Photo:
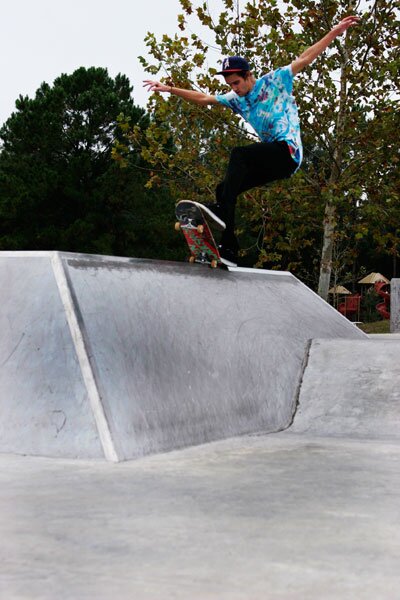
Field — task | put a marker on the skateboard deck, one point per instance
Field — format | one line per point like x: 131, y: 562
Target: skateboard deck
x: 195, y: 227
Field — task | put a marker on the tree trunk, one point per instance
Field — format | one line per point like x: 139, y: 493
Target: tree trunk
x: 330, y: 206
x: 327, y: 249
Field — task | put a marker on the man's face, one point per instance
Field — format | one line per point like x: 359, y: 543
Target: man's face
x: 238, y: 84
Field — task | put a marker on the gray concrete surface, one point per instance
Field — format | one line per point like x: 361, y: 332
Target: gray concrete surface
x: 158, y: 355
x: 351, y: 388
x: 44, y: 403
x: 312, y: 512
x: 270, y: 517
x: 389, y: 336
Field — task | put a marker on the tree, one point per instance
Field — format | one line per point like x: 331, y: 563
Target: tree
x: 60, y: 187
x: 339, y: 97
x: 379, y: 208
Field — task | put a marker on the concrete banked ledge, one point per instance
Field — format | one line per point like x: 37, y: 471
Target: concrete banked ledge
x: 116, y: 358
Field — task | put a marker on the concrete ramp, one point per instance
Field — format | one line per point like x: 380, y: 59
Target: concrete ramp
x: 44, y: 402
x: 352, y: 389
x: 118, y: 358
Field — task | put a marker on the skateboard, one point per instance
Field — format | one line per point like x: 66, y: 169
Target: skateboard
x: 194, y: 224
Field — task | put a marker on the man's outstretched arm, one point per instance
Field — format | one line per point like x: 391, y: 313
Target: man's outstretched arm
x: 188, y: 95
x: 313, y: 51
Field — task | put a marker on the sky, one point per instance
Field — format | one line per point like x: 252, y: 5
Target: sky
x: 41, y: 39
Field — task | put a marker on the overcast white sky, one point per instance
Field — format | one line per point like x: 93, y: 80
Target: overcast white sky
x: 41, y: 39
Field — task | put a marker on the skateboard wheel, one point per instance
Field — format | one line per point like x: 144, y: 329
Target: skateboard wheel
x: 214, y: 264
x: 200, y: 229
x: 192, y: 259
x: 177, y: 226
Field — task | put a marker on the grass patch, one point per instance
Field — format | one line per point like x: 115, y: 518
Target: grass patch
x: 376, y: 327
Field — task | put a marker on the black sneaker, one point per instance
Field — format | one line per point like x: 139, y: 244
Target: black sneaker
x: 228, y: 256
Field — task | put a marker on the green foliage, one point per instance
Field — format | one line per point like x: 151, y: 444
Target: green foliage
x: 347, y: 190
x: 382, y: 326
x: 369, y: 301
x: 60, y: 187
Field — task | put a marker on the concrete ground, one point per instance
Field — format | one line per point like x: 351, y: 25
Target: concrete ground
x: 127, y: 363
x: 279, y: 516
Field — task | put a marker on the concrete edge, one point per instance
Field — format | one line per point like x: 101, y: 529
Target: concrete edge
x: 88, y: 376
x: 362, y: 334
x: 303, y: 368
x: 104, y: 257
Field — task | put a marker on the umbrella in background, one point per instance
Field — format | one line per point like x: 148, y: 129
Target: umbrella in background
x: 339, y: 289
x: 373, y: 278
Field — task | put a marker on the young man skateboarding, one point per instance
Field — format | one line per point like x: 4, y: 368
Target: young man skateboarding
x: 268, y: 106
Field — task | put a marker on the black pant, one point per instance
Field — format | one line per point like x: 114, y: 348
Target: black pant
x: 249, y: 167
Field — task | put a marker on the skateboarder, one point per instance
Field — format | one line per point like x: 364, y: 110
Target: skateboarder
x: 268, y: 105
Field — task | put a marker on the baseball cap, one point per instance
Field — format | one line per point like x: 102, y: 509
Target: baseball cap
x: 232, y: 64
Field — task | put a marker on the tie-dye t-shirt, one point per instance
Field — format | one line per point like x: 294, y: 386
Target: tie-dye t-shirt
x: 270, y: 109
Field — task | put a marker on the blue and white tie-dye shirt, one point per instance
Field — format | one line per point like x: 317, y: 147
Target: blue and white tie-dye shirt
x: 270, y: 109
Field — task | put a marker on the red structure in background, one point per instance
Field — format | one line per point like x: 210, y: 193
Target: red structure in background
x: 383, y: 308
x: 350, y: 306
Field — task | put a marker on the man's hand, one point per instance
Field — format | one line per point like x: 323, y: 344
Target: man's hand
x: 192, y: 96
x: 345, y: 24
x: 311, y: 53
x: 156, y: 86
